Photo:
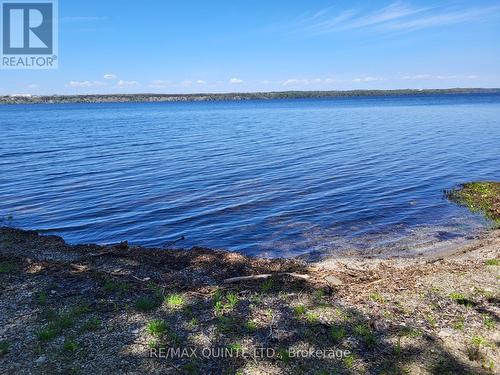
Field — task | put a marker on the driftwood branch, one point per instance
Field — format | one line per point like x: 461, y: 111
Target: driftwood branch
x: 265, y: 276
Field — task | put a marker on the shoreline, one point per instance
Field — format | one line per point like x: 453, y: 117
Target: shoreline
x: 236, y: 96
x: 105, y: 308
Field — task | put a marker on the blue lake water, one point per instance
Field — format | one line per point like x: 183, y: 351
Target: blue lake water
x: 271, y: 178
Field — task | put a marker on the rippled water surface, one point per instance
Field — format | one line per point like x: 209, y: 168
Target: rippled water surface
x: 274, y: 178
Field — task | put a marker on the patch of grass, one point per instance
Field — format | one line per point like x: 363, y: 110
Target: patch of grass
x: 41, y: 297
x: 4, y: 347
x: 232, y: 300
x: 147, y: 303
x: 493, y: 262
x: 488, y: 365
x: 431, y: 320
x: 267, y: 285
x: 227, y: 324
x: 299, y: 310
x: 175, y: 301
x: 70, y: 346
x: 409, y: 332
x: 489, y: 322
x: 483, y: 196
x: 80, y: 309
x: 377, y: 297
x: 459, y: 324
x: 93, y: 324
x: 349, y: 361
x: 474, y: 348
x: 111, y: 286
x: 9, y: 267
x: 462, y: 299
x: 47, y: 333
x: 251, y: 326
x: 284, y: 355
x: 157, y: 327
x: 194, y: 322
x: 318, y: 295
x: 66, y: 320
x: 236, y: 346
x: 190, y: 368
x: 336, y: 334
x: 58, y: 322
x: 223, y: 304
x: 312, y: 317
x: 364, y: 332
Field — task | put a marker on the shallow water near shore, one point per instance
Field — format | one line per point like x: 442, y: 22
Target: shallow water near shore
x: 269, y: 178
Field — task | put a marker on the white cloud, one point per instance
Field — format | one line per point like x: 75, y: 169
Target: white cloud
x: 436, y: 77
x: 110, y: 76
x: 368, y: 79
x: 295, y: 81
x: 235, y: 81
x: 201, y: 82
x: 78, y: 84
x: 417, y: 76
x: 122, y: 83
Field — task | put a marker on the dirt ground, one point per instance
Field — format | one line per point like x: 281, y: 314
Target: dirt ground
x: 91, y: 309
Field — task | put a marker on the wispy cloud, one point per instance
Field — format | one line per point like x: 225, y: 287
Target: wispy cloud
x: 395, y: 16
x: 367, y: 79
x: 110, y: 76
x: 444, y: 19
x: 441, y: 77
x: 122, y: 83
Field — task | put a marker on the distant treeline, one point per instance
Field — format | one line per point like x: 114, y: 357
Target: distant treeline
x: 118, y: 98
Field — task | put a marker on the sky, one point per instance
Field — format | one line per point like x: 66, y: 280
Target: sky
x: 158, y: 46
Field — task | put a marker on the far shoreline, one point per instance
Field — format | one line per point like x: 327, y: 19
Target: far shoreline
x: 235, y: 96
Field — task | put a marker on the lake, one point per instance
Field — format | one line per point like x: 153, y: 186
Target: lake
x: 269, y: 178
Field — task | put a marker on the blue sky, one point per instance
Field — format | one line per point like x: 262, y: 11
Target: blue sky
x: 235, y: 45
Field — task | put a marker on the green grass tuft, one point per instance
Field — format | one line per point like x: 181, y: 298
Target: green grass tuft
x: 299, y: 310
x: 493, y: 262
x: 364, y: 332
x: 47, y: 333
x: 4, y: 347
x: 148, y: 303
x: 70, y: 346
x: 377, y: 297
x: 336, y: 334
x: 175, y: 301
x: 251, y: 326
x: 93, y: 324
x: 462, y: 299
x: 41, y: 298
x: 157, y: 327
x: 9, y: 267
x: 267, y: 285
